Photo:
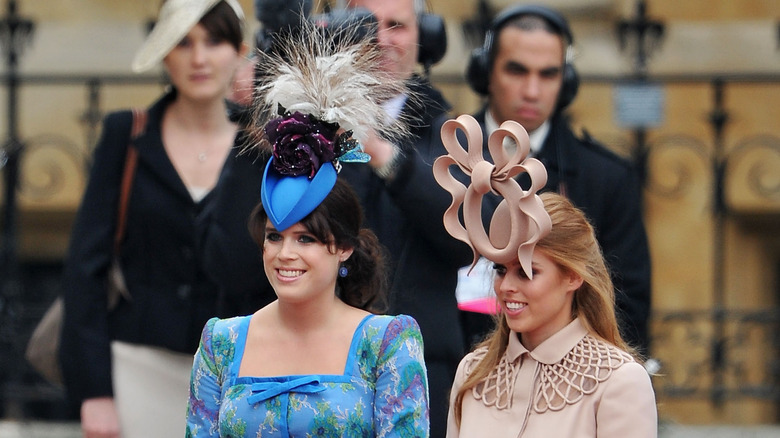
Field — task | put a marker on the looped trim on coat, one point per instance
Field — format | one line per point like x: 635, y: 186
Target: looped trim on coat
x: 579, y: 373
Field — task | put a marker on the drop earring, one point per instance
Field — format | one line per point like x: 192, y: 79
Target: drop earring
x: 343, y: 271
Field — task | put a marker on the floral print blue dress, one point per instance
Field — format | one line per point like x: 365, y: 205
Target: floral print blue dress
x: 382, y: 393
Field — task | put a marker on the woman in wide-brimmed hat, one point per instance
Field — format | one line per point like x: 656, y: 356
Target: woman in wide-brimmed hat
x: 128, y: 367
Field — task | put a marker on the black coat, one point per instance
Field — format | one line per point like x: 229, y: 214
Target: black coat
x: 406, y: 214
x: 606, y: 187
x: 172, y: 293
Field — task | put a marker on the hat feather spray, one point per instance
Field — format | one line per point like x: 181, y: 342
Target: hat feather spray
x: 318, y: 94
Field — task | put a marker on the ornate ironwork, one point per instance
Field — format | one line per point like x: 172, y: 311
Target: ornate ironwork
x: 646, y: 34
x: 715, y: 367
x: 688, y: 371
x: 761, y: 179
x: 677, y: 176
x: 43, y: 170
x: 713, y: 363
x: 643, y: 35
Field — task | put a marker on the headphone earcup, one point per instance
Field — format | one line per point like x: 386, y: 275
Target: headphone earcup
x: 432, y: 37
x: 477, y: 71
x: 569, y: 86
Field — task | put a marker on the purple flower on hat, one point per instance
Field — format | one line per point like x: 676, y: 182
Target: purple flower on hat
x: 301, y: 143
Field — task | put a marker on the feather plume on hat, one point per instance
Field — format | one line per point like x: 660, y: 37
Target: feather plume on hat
x: 318, y: 93
x: 335, y: 77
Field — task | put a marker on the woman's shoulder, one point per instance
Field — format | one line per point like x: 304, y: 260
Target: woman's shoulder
x: 221, y: 330
x: 228, y: 325
x: 122, y: 118
x: 608, y: 354
x: 633, y: 371
x: 389, y: 342
x: 386, y: 333
x: 119, y: 115
x: 394, y: 323
x: 118, y: 123
x: 471, y: 359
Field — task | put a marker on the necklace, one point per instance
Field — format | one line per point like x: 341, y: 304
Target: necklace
x: 204, y: 154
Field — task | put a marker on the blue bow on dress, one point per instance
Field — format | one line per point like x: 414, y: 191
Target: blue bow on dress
x: 262, y: 391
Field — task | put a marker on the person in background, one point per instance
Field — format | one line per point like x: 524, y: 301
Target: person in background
x: 525, y: 71
x: 318, y: 360
x: 402, y: 202
x: 555, y: 363
x: 128, y: 368
x: 243, y: 82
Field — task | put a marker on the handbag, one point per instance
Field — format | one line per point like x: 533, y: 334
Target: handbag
x: 43, y: 346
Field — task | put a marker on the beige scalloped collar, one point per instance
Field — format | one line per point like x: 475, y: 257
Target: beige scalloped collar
x: 569, y: 365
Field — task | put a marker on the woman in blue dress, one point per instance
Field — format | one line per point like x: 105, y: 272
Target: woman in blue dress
x: 318, y: 361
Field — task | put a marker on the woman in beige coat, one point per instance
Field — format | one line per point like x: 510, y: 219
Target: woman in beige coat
x: 555, y: 365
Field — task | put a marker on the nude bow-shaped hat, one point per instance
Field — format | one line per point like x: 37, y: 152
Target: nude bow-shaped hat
x: 520, y: 219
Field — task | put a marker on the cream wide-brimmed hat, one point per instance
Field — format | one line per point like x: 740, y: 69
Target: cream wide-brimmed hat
x: 177, y: 18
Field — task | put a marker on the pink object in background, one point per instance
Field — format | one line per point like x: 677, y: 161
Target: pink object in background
x: 487, y: 305
x: 475, y: 288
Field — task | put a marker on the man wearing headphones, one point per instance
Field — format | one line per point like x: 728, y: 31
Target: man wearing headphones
x: 524, y: 69
x: 403, y: 204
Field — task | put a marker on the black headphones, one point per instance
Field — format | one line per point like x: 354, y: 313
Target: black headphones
x: 432, y: 39
x: 481, y: 61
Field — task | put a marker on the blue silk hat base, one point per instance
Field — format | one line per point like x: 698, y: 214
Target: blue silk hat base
x: 289, y: 199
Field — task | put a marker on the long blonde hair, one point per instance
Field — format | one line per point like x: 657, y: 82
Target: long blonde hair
x: 572, y: 246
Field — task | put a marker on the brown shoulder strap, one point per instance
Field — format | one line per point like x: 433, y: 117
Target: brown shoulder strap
x: 131, y: 159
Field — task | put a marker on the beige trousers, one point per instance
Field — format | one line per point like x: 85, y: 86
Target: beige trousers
x: 151, y: 387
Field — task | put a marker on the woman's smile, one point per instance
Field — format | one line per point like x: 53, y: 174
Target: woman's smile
x: 290, y: 273
x: 514, y: 307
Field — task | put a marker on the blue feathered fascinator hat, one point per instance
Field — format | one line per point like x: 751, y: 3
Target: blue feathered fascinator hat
x: 317, y: 95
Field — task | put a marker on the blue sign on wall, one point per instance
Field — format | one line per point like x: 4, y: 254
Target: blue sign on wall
x: 638, y: 104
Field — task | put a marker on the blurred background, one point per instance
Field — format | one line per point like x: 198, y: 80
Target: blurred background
x: 687, y: 90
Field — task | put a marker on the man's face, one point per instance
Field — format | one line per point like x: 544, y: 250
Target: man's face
x: 526, y: 76
x: 398, y: 34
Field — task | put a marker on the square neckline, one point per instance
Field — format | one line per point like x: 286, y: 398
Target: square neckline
x: 240, y: 346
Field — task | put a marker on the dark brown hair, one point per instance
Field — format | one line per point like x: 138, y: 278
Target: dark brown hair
x: 223, y: 24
